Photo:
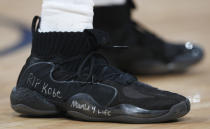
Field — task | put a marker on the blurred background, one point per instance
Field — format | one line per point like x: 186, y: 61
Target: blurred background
x: 176, y: 20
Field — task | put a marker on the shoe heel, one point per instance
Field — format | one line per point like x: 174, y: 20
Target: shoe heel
x: 28, y: 102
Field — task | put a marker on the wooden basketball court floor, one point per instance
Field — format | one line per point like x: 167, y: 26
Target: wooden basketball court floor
x: 173, y: 19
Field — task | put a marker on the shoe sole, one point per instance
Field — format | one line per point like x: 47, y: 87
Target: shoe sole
x: 83, y: 107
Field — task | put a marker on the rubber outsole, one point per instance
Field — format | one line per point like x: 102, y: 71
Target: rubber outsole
x: 83, y: 107
x: 174, y: 113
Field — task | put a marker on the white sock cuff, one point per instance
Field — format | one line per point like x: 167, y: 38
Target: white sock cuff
x: 66, y: 15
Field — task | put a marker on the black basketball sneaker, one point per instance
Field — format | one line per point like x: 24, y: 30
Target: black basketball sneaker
x: 147, y: 53
x: 65, y: 75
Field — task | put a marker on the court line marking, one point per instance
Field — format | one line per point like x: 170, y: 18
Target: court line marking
x: 26, y: 36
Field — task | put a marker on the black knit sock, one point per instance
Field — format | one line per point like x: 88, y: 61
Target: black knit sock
x: 66, y: 44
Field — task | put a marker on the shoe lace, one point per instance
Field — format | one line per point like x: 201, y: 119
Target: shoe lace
x: 89, y: 58
x: 95, y: 70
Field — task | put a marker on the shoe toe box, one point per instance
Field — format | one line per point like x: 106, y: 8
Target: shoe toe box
x: 191, y: 54
x: 148, y: 97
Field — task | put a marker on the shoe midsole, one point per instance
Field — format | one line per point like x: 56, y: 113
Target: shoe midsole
x: 80, y: 103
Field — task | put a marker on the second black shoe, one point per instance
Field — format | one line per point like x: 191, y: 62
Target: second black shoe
x: 146, y: 53
x: 65, y: 75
